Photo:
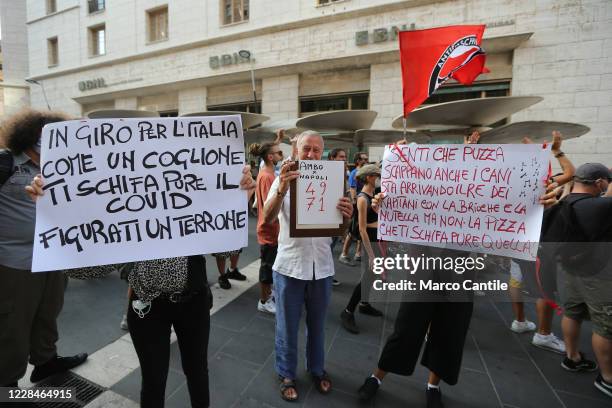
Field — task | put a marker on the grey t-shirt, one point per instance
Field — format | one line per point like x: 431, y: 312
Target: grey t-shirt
x: 17, y: 216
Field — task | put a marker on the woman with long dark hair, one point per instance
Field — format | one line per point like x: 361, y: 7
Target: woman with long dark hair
x: 166, y: 293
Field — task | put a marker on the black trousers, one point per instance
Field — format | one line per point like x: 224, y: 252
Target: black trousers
x: 447, y: 322
x: 151, y: 338
x: 29, y: 306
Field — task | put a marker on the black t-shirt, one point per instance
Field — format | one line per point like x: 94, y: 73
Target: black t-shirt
x: 579, y: 232
x: 594, y: 215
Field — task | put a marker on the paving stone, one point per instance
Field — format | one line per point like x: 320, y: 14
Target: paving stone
x: 130, y: 385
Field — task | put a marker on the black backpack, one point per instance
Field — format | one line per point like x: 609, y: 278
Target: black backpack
x: 563, y: 237
x: 6, y: 165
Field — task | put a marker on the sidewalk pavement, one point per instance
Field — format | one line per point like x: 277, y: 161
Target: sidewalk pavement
x: 500, y: 368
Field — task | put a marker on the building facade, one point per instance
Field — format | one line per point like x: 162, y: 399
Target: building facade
x: 15, y: 93
x: 184, y: 56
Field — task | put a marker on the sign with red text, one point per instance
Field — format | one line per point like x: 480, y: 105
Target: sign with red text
x: 125, y: 190
x: 480, y: 198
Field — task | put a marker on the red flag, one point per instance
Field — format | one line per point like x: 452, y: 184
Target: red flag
x: 430, y: 57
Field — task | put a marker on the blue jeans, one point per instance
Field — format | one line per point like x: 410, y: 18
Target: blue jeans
x: 291, y: 295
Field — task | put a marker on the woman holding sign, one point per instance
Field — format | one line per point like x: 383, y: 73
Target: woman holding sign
x: 368, y: 226
x: 167, y: 293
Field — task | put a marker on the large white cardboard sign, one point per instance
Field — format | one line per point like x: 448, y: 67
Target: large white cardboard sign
x: 480, y: 198
x: 124, y: 190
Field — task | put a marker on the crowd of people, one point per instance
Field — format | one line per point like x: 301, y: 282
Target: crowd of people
x: 297, y: 274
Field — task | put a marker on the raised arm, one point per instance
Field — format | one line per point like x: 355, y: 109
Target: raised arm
x: 566, y: 165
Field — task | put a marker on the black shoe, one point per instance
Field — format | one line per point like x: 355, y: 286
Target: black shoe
x: 368, y: 309
x: 434, y: 398
x: 348, y: 322
x: 603, y: 386
x: 224, y: 283
x: 235, y: 275
x: 582, y: 365
x: 56, y: 365
x: 369, y: 388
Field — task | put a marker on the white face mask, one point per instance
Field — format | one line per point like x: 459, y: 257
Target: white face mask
x: 377, y: 183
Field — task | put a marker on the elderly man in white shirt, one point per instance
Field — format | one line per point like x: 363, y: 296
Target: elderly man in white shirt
x: 303, y: 273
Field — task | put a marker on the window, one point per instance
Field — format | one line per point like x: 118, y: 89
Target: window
x: 52, y: 52
x: 97, y: 40
x: 237, y: 107
x: 51, y: 6
x: 158, y: 24
x: 96, y: 5
x: 235, y: 11
x: 323, y: 103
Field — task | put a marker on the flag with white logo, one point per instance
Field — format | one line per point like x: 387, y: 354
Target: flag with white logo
x: 431, y: 57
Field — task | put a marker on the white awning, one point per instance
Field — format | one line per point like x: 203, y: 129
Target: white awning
x: 466, y: 113
x: 344, y: 120
x: 537, y: 131
x: 378, y: 137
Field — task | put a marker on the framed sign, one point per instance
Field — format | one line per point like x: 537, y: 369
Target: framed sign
x: 314, y: 196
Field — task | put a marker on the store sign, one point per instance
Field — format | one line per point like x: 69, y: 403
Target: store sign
x: 380, y: 35
x: 92, y: 84
x: 240, y: 57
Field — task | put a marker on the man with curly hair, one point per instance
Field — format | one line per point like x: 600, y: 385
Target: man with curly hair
x: 29, y: 302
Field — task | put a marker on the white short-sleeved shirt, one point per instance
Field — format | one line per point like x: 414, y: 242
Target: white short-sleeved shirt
x: 300, y: 258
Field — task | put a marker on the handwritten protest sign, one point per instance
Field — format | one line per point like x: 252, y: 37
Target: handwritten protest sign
x: 314, y: 198
x: 123, y: 190
x: 481, y: 198
x: 319, y: 187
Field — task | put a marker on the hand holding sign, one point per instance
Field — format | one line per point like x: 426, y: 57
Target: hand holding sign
x: 346, y: 207
x: 287, y: 175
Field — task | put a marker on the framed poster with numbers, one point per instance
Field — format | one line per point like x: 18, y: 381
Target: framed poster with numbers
x: 314, y: 196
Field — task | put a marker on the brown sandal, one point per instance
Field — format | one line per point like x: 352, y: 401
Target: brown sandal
x: 318, y: 379
x: 285, y: 386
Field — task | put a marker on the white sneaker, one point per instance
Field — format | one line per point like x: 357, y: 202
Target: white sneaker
x: 268, y: 307
x: 124, y: 323
x: 550, y: 343
x: 522, y: 327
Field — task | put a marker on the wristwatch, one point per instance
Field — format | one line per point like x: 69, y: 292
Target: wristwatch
x: 560, y: 154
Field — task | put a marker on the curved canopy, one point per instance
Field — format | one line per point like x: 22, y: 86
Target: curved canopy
x: 344, y: 120
x: 121, y: 114
x: 466, y: 113
x: 537, y: 131
x: 248, y: 119
x: 369, y: 137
